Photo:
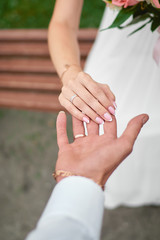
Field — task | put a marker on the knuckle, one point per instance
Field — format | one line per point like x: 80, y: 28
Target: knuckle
x: 84, y: 78
x: 113, y: 96
x: 60, y: 98
x: 63, y: 89
x: 97, y: 90
x: 109, y: 91
x: 106, y: 87
x: 81, y: 75
x: 105, y: 101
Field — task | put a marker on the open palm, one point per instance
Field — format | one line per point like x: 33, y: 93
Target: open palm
x: 95, y: 156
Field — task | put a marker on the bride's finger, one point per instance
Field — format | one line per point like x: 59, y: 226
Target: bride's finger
x: 72, y: 109
x: 78, y: 128
x: 99, y: 94
x: 108, y: 92
x: 91, y: 101
x: 89, y: 104
x: 79, y: 104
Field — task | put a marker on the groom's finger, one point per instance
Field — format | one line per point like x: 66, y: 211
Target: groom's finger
x: 62, y: 138
x: 78, y: 128
x: 92, y: 128
x: 131, y: 132
x: 110, y: 128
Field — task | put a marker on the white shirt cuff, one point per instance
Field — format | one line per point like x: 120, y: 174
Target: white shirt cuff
x: 79, y: 198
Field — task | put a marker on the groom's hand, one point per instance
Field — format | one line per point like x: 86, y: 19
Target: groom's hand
x: 95, y: 156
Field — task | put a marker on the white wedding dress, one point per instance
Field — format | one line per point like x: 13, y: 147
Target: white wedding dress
x: 127, y: 66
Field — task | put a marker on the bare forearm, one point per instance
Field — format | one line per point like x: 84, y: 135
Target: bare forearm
x: 65, y: 54
x: 63, y: 46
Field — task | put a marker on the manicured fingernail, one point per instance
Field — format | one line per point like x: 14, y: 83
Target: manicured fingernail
x: 61, y: 112
x: 85, y: 119
x: 115, y: 105
x: 145, y: 119
x: 99, y: 120
x: 108, y: 117
x: 112, y: 110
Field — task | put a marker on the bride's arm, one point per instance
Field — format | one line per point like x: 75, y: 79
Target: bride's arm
x: 62, y: 35
x: 65, y: 54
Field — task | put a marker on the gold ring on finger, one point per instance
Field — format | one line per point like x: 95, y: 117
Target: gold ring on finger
x: 78, y: 136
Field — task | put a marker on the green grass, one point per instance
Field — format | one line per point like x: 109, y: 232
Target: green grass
x: 37, y: 13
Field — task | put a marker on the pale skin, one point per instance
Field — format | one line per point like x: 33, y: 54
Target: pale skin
x: 94, y: 156
x: 94, y: 101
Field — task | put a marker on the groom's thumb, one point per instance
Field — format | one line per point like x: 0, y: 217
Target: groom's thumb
x: 132, y: 130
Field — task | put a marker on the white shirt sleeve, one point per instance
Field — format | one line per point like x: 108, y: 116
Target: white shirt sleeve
x: 74, y: 211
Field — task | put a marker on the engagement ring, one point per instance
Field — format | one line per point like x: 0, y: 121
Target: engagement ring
x: 71, y: 99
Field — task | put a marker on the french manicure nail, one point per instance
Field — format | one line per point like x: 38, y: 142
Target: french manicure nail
x: 85, y: 119
x: 108, y: 117
x: 115, y: 105
x: 112, y: 110
x: 99, y: 120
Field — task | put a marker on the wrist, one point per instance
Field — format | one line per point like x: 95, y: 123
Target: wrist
x: 61, y: 174
x: 70, y: 72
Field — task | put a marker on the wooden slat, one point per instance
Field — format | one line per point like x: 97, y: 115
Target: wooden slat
x: 28, y: 65
x: 34, y: 49
x: 24, y: 49
x: 28, y: 79
x: 34, y: 82
x: 23, y: 35
x: 32, y: 101
x: 87, y: 34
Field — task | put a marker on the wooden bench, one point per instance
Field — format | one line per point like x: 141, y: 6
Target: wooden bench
x: 28, y: 79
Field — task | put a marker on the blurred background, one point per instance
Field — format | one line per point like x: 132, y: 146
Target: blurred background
x: 28, y: 148
x: 37, y: 13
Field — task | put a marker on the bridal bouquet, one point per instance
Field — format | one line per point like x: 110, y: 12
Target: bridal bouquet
x: 135, y: 11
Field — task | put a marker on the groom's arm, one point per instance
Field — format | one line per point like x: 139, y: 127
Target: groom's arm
x: 74, y: 211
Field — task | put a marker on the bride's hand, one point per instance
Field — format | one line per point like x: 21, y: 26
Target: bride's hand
x: 91, y: 99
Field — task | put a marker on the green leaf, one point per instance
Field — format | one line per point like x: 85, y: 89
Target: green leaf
x: 137, y: 20
x: 153, y: 10
x: 122, y: 16
x: 155, y: 24
x: 139, y: 28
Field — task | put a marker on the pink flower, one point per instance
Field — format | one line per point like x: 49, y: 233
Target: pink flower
x: 126, y: 3
x: 156, y: 3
